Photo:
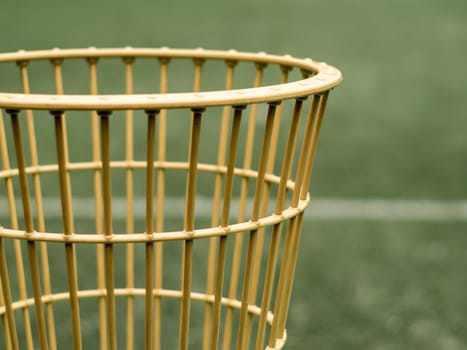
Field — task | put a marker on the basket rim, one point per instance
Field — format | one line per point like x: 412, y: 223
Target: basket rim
x: 325, y: 78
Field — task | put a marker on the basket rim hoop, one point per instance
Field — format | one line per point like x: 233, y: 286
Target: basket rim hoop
x: 325, y: 78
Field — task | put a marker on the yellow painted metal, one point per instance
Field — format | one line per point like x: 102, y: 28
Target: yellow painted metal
x: 240, y: 266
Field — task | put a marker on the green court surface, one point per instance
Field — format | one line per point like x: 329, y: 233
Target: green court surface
x: 394, y: 132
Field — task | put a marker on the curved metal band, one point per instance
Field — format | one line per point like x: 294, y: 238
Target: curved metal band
x: 324, y: 78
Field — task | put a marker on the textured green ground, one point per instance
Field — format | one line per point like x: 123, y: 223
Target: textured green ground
x: 394, y: 129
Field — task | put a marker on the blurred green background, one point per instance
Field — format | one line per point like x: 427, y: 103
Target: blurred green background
x: 395, y: 129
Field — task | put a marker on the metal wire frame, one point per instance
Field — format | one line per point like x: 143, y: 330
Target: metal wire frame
x: 247, y: 283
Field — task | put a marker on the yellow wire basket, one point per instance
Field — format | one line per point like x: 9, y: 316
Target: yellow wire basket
x: 153, y: 198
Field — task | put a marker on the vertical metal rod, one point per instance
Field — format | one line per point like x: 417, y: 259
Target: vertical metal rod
x: 278, y: 305
x: 268, y: 284
x: 288, y: 156
x: 106, y: 186
x: 248, y: 277
x: 36, y: 287
x: 65, y: 189
x: 57, y: 66
x: 241, y: 334
x: 236, y: 261
x: 6, y: 289
x: 189, y: 221
x: 228, y: 186
x: 197, y: 74
x: 316, y: 129
x: 29, y: 228
x: 96, y: 158
x: 57, y: 63
x: 23, y: 181
x: 265, y: 149
x: 16, y: 243
x: 14, y: 224
x: 161, y: 149
x: 222, y: 145
x: 149, y: 298
x: 275, y: 134
x: 6, y: 331
x: 305, y: 150
x: 108, y: 247
x: 189, y: 226
x: 225, y: 223
x: 186, y: 294
x: 110, y: 301
x: 65, y: 200
x: 149, y: 229
x: 129, y: 174
x: 287, y: 293
x: 265, y: 199
x: 223, y: 134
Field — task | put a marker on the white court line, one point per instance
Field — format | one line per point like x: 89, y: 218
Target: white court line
x: 389, y: 209
x: 321, y: 209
